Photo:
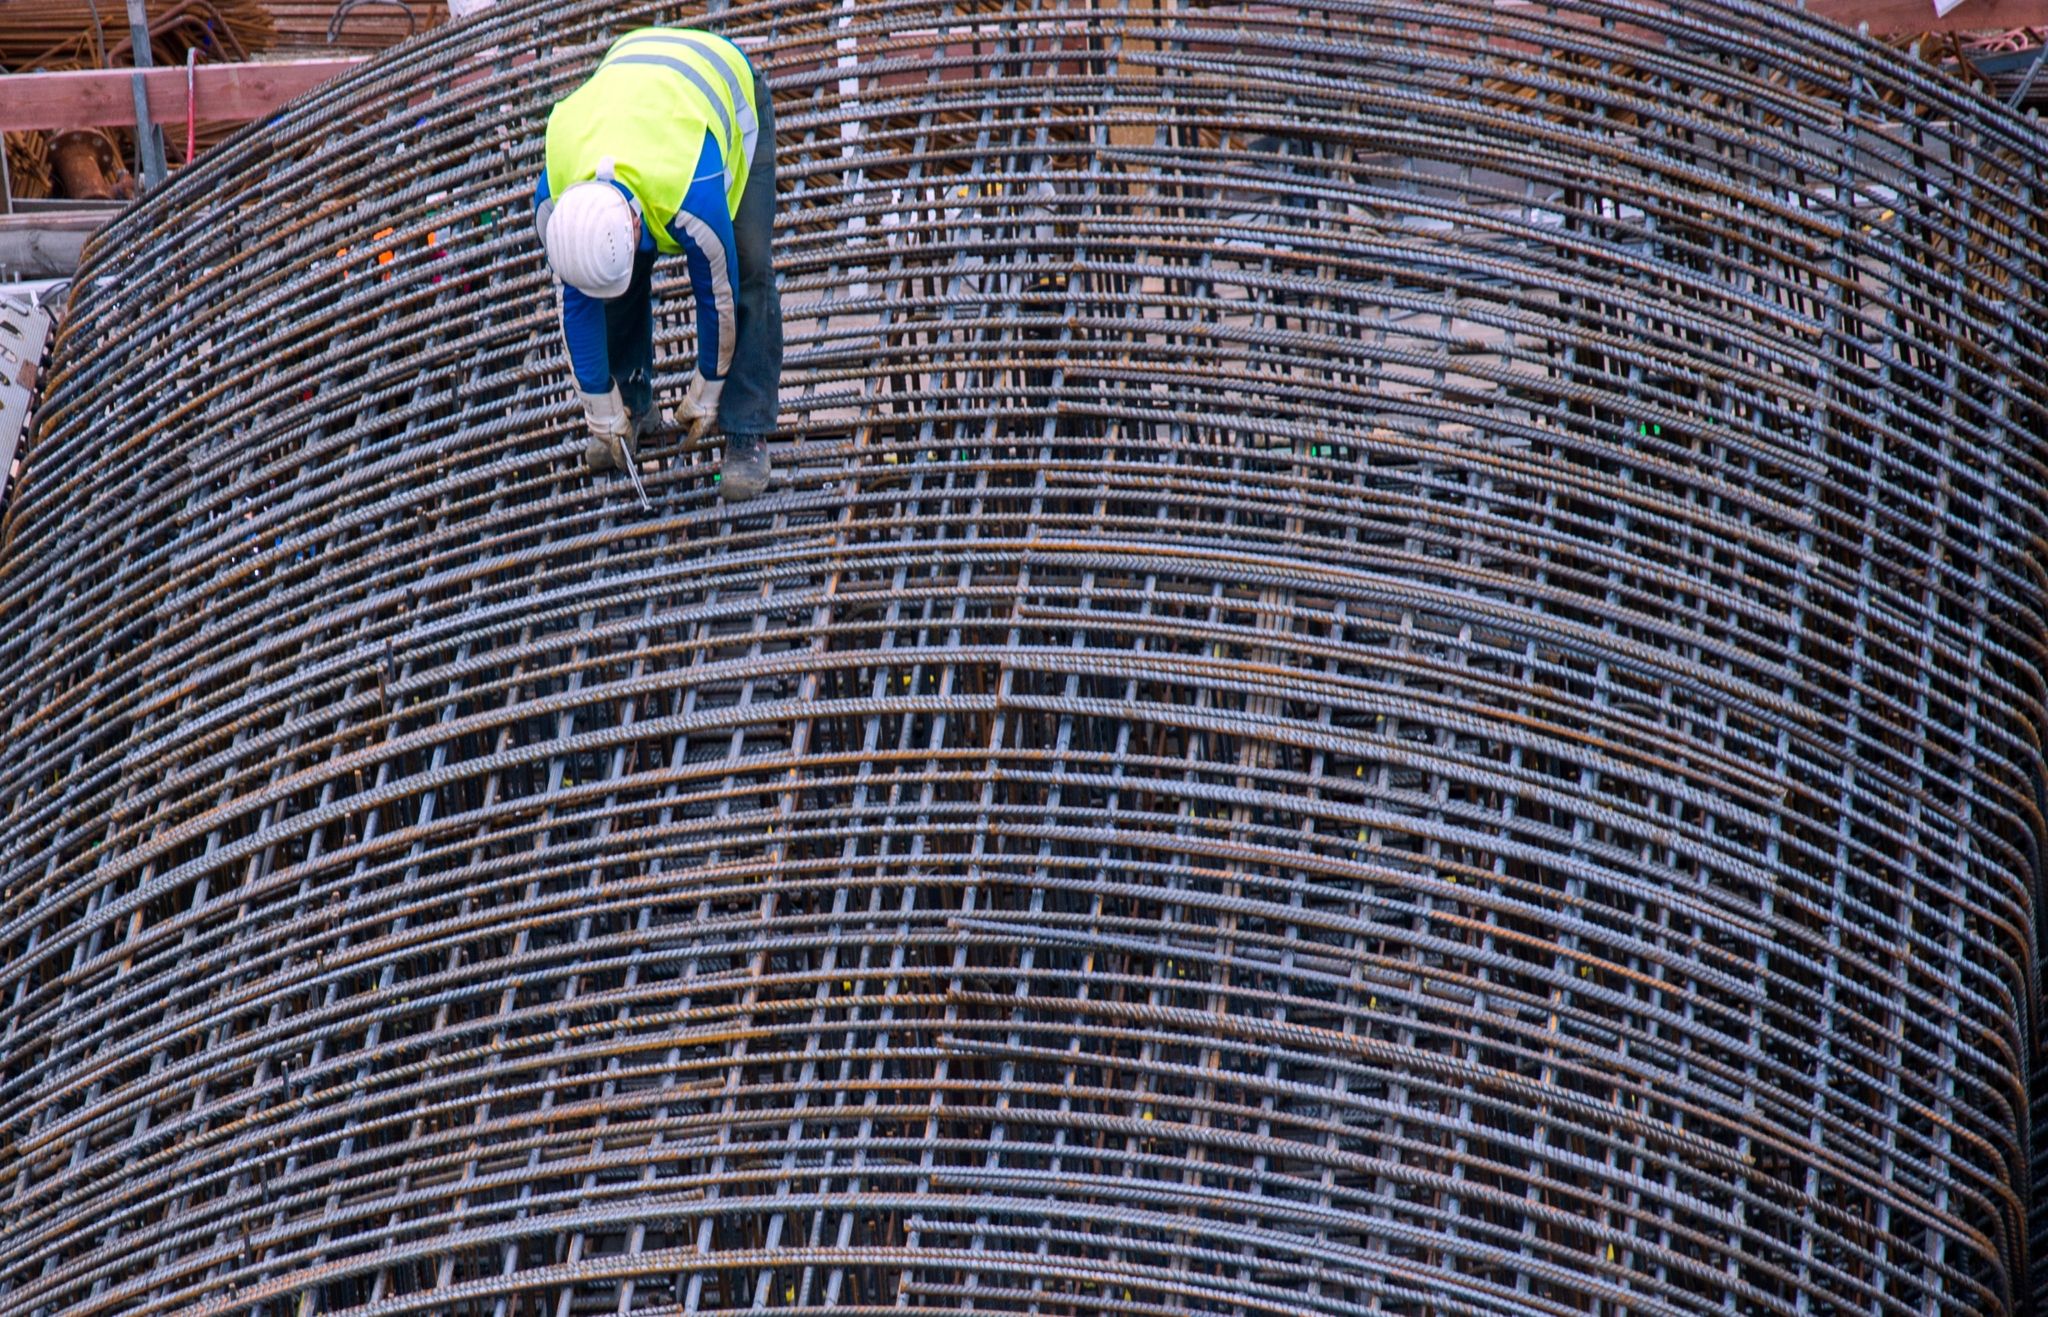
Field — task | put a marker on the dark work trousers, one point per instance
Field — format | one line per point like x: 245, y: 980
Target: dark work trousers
x: 749, y: 402
x: 629, y: 341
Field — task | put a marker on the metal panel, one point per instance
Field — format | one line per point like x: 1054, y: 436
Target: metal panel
x: 24, y: 332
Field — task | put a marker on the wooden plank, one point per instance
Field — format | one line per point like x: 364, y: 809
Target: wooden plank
x: 1890, y: 16
x: 101, y: 98
x: 304, y: 23
x: 1134, y: 74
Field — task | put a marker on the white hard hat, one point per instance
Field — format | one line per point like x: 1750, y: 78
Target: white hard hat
x: 591, y: 236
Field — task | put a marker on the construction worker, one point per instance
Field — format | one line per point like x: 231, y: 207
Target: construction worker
x: 668, y: 147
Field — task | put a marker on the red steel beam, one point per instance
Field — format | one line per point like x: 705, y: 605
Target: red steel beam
x: 101, y: 98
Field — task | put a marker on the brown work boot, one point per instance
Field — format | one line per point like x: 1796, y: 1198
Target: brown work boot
x: 746, y: 470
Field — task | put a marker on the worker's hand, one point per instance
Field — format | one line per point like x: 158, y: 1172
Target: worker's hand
x: 697, y: 413
x: 611, y: 430
x: 605, y: 414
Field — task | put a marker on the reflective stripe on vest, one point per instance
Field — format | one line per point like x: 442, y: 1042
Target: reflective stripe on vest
x: 644, y: 43
x: 696, y: 80
x: 639, y: 108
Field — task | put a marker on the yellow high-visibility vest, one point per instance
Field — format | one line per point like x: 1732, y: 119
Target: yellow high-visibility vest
x: 641, y: 118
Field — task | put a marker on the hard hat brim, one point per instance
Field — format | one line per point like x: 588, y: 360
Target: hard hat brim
x: 607, y: 291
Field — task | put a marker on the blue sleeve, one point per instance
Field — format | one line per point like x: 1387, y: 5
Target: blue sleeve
x: 583, y: 330
x: 582, y: 317
x: 703, y: 229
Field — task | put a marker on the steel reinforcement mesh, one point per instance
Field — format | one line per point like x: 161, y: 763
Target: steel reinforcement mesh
x: 1398, y: 670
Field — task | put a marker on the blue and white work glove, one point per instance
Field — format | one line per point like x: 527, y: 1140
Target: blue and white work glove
x: 605, y: 414
x: 611, y: 430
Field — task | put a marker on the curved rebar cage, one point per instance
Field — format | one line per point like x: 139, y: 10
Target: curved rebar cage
x: 1396, y: 669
